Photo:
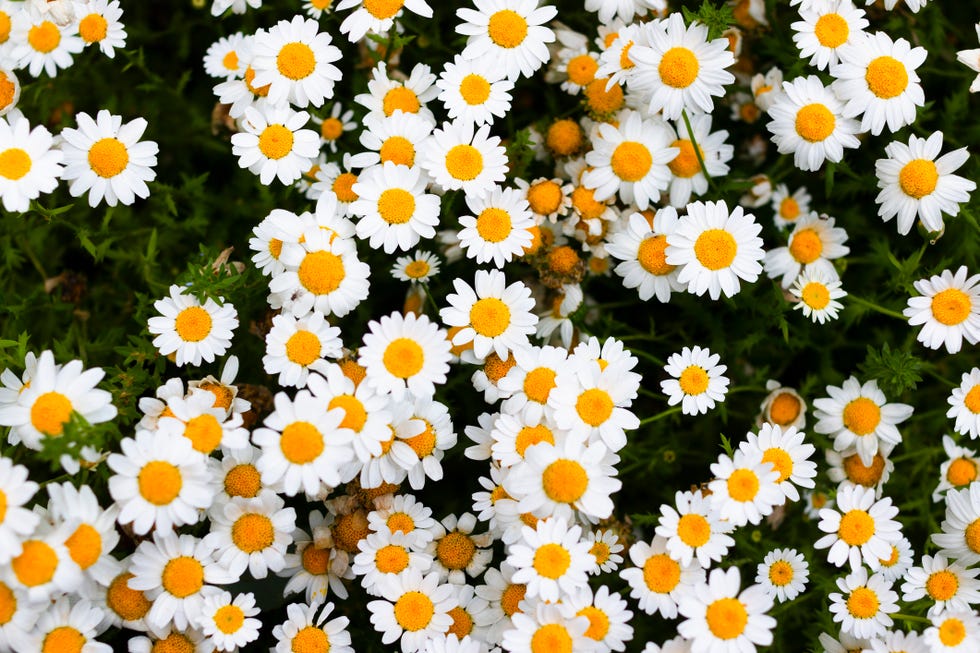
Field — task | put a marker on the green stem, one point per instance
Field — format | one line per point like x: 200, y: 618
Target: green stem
x: 660, y: 415
x: 911, y: 617
x: 876, y: 307
x: 432, y: 301
x: 697, y: 150
x: 26, y: 247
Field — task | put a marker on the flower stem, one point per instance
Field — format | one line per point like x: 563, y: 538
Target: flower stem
x: 876, y: 307
x: 911, y: 617
x: 697, y: 150
x: 660, y: 415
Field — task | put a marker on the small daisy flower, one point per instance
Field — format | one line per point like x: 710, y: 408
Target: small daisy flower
x: 509, y: 32
x: 631, y: 159
x: 418, y: 267
x: 99, y: 24
x: 432, y: 443
x: 404, y: 513
x: 295, y: 347
x: 550, y: 559
x: 295, y: 59
x: 225, y: 57
x: 9, y: 87
x: 721, y: 618
x: 335, y: 125
x: 474, y: 91
x: 40, y: 44
x: 252, y: 534
x: 239, y: 92
x: 384, y: 555
x: 606, y: 547
x: 960, y: 468
x: 273, y: 143
x: 395, y: 211
x: 44, y: 568
x: 681, y: 69
x: 66, y: 625
x: 789, y: 455
x: 858, y: 528
x: 393, y: 138
x: 876, y: 80
x: 29, y: 165
x: 949, y: 585
x: 499, y: 229
x: 405, y: 353
x: 960, y: 536
x: 971, y: 59
x: 953, y: 632
x: 641, y: 248
x: 94, y: 537
x: 817, y: 292
x: 386, y: 95
x: 745, y: 487
x: 813, y: 244
x: 808, y: 122
x: 189, y: 639
x: 687, y: 176
x: 783, y: 573
x: 948, y: 308
x: 897, y: 641
x: 16, y: 522
x: 789, y: 207
x: 317, y: 567
x: 456, y: 551
x: 229, y: 623
x: 493, y: 315
x: 782, y: 407
x: 608, y: 618
x: 964, y: 404
x: 457, y: 157
x: 107, y: 159
x: 897, y: 564
x: 528, y: 385
x: 414, y: 608
x: 694, y: 529
x: 698, y: 380
x: 305, y: 628
x: 377, y: 17
x: 191, y: 330
x: 196, y: 418
x: 716, y: 249
x: 827, y: 25
x: 766, y: 88
x: 594, y: 403
x: 548, y: 626
x: 863, y: 607
x: 548, y: 198
x: 657, y: 580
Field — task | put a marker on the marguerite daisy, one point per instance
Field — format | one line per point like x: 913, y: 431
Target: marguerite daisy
x: 295, y: 347
x: 698, y: 380
x: 783, y: 573
x: 405, y: 353
x: 294, y: 58
x: 550, y: 559
x: 858, y: 528
x: 99, y: 24
x: 377, y: 17
x: 474, y: 91
x: 826, y: 25
x: 964, y: 402
x: 229, y: 623
x: 509, y: 32
x: 457, y: 157
x: 39, y: 44
x: 657, y: 580
x: 950, y: 585
x: 413, y: 609
x: 252, y: 534
x: 16, y: 522
x: 813, y: 244
x: 817, y: 292
x: 190, y: 330
x: 694, y: 529
x: 721, y: 618
x: 499, y: 228
x: 417, y: 267
x: 29, y: 165
x: 744, y: 489
x: 948, y: 309
x: 493, y: 315
x: 953, y: 632
x: 393, y: 207
x: 273, y: 143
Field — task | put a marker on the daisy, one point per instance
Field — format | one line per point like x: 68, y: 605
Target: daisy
x: 386, y: 95
x: 694, y: 529
x: 550, y: 559
x: 698, y: 380
x: 39, y: 44
x: 273, y: 143
x: 808, y: 121
x: 716, y: 248
x: 948, y: 308
x: 897, y: 641
x: 405, y: 514
x: 405, y: 353
x: 9, y: 88
x: 229, y: 623
x: 322, y: 274
x: 499, y: 229
x: 418, y: 267
x: 296, y: 449
x: 897, y: 564
x: 295, y: 59
x: 473, y: 91
x: 107, y: 159
x: 608, y: 618
x: 606, y: 547
x: 456, y: 551
x: 19, y: 617
x: 953, y: 632
x: 432, y: 443
x: 789, y: 207
x: 720, y: 618
x: 191, y: 330
x: 547, y: 627
x: 915, y: 183
x: 44, y: 568
x: 594, y: 403
x: 393, y: 207
x: 94, y: 537
x: 223, y: 389
x: 457, y: 157
x: 16, y: 522
x: 783, y: 407
x: 384, y: 555
x: 196, y: 418
x: 414, y: 608
x: 304, y: 628
x: 783, y: 573
x: 641, y: 248
x: 294, y: 347
x: 335, y: 125
x: 67, y: 626
x: 786, y: 450
x: 29, y: 165
x: 99, y: 24
x: 393, y: 138
x: 239, y: 92
x: 390, y: 465
x: 817, y: 293
x: 827, y: 25
x: 159, y: 482
x: 745, y: 487
x: 960, y: 468
x: 858, y: 528
x: 472, y: 619
x: 846, y: 469
x: 528, y: 384
x: 225, y: 57
x: 960, y: 536
x: 509, y: 32
x: 493, y: 316
x: 949, y: 585
x: 377, y: 17
x: 317, y: 567
x: 813, y: 244
x: 548, y: 198
x: 657, y: 580
x: 863, y: 608
x: 876, y: 80
x: 971, y: 59
x: 964, y: 404
x: 687, y: 176
x: 253, y: 534
x: 681, y: 69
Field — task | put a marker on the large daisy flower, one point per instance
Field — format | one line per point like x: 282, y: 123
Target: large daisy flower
x: 509, y: 32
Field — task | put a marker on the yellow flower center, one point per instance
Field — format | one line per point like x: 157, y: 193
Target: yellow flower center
x: 182, y: 577
x: 4, y: 26
x: 511, y: 598
x: 563, y: 260
x: 455, y: 550
x: 321, y: 272
x: 694, y: 380
x: 581, y: 69
x: 462, y: 623
x: 815, y: 122
x: 598, y: 622
x: 222, y: 394
x: 886, y: 77
x: 14, y: 162
x: 331, y: 129
x: 602, y: 101
x: 400, y: 98
x: 261, y: 91
x: 310, y: 640
x: 355, y: 415
x: 679, y: 67
x: 661, y: 573
x: 315, y: 560
x: 396, y: 206
x: 972, y: 536
x: 276, y: 141
x: 108, y: 157
x: 301, y: 443
x: 7, y: 88
x: 382, y: 9
x: 715, y: 249
x: 507, y: 28
x: 685, y: 164
x: 815, y: 295
x: 490, y: 317
x: 129, y: 604
x: 951, y: 306
x: 8, y: 604
x: 413, y: 611
x: 174, y: 643
x: 36, y: 563
x: 495, y: 368
x: 400, y: 521
x: 230, y: 61
x: 551, y: 638
x: 781, y: 462
x: 85, y: 546
x: 862, y: 603
x: 743, y: 485
x: 50, y: 412
x: 93, y: 28
x: 806, y: 246
x: 785, y: 408
x: 464, y: 162
x: 918, y: 178
x: 601, y: 552
x: 403, y: 358
x: 565, y: 481
x: 651, y: 256
x: 831, y: 30
x: 417, y: 269
x: 494, y: 225
x: 780, y: 573
x: 229, y: 619
x: 204, y: 432
x: 952, y: 632
x: 856, y: 527
x: 631, y: 161
x: 962, y: 471
x: 529, y: 436
x: 624, y: 57
x: 727, y: 618
x: 942, y: 585
x: 552, y: 560
x: 594, y: 406
x: 159, y: 482
x: 253, y: 532
x: 475, y: 89
x: 789, y: 209
x: 400, y: 151
x: 391, y: 559
x: 343, y: 187
x: 295, y: 61
x: 303, y: 347
x: 424, y: 443
x: 564, y: 137
x: 44, y: 37
x: 860, y: 474
x: 694, y: 530
x: 538, y: 384
x: 544, y: 197
x: 861, y: 416
x: 63, y: 639
x: 193, y: 324
x: 243, y: 481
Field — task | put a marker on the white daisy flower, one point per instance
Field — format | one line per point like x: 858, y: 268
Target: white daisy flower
x: 960, y: 536
x: 225, y: 57
x: 191, y: 330
x: 317, y: 567
x: 418, y: 267
x: 493, y: 315
x: 414, y: 609
x: 472, y: 619
x: 295, y: 59
x: 858, y: 416
x: 474, y: 91
x: 456, y: 551
x: 20, y: 617
x: 782, y: 407
x: 39, y: 43
x: 196, y: 418
x: 384, y: 555
x: 336, y: 124
x: 528, y: 384
x: 657, y: 580
x: 94, y: 537
x: 914, y: 183
x: 252, y: 534
x: 971, y: 59
x: 396, y: 456
x: 499, y: 229
x: 817, y: 292
x: 240, y: 93
x: 377, y: 17
x: 594, y: 403
x: 608, y: 618
x: 432, y: 443
x: 783, y: 573
x: 813, y: 244
x: 606, y: 547
x: 548, y: 198
x: 304, y: 628
x: 897, y: 641
x: 964, y: 404
x: 273, y: 143
x: 694, y: 529
x: 9, y: 87
x: 16, y: 523
x: 863, y: 607
x: 641, y: 247
x: 844, y: 642
x: 509, y: 32
x: 897, y: 564
x: 229, y: 623
x: 393, y: 138
x: 876, y: 80
x: 948, y: 309
x: 395, y: 211
x: 457, y: 157
x: 808, y: 121
x: 960, y: 468
x: 953, y: 632
x: 721, y: 618
x: 107, y: 159
x: 631, y: 159
x: 766, y: 88
x: 789, y: 207
x: 99, y: 24
x: 624, y: 10
x: 551, y: 559
x: 404, y: 513
x: 549, y: 626
x: 827, y: 25
x: 69, y: 626
x: 386, y: 95
x: 29, y: 165
x: 697, y: 382
x: 745, y: 487
x: 44, y: 568
x: 405, y: 353
x: 294, y: 347
x: 951, y: 586
x: 687, y: 176
x: 858, y: 528
x: 789, y: 455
